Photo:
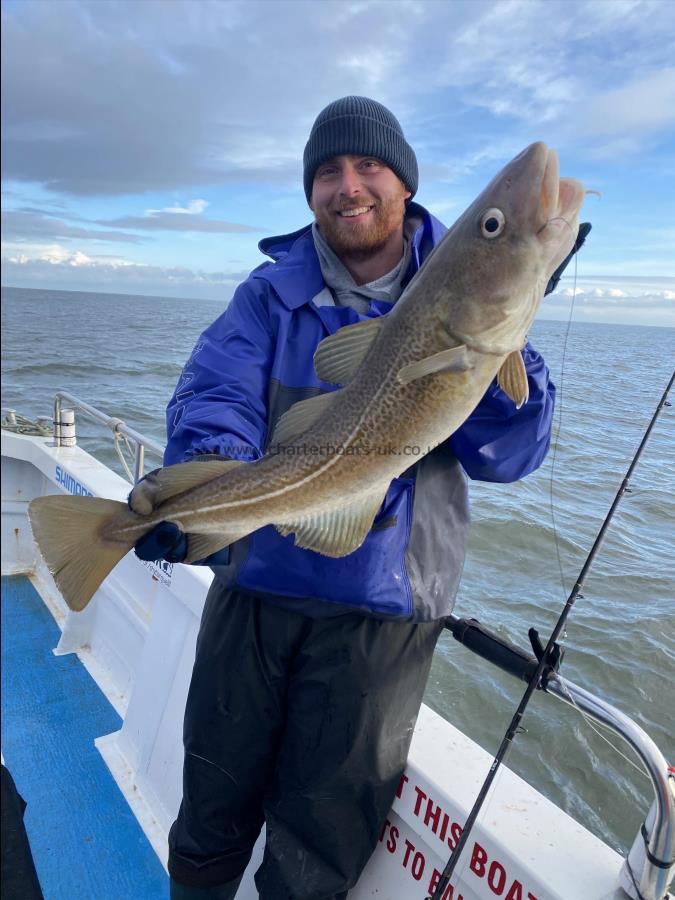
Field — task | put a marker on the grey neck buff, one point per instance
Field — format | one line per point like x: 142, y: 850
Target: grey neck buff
x: 345, y: 291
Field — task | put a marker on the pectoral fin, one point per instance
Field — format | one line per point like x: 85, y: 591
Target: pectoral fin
x: 336, y: 532
x: 512, y: 378
x: 456, y: 359
x: 300, y: 417
x: 338, y: 357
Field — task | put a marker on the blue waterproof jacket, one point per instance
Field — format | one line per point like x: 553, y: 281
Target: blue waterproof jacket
x: 256, y: 360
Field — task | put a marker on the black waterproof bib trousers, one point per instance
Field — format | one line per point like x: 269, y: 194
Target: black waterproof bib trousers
x: 303, y: 724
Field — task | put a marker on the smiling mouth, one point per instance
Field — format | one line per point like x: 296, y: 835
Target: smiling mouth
x: 354, y: 213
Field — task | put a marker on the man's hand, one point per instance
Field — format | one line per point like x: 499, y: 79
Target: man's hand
x: 166, y: 540
x: 143, y: 498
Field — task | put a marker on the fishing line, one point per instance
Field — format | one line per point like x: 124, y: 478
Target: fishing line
x: 560, y: 395
x: 560, y: 404
x: 465, y: 858
x: 592, y: 725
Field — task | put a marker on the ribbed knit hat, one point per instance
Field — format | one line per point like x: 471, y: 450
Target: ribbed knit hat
x: 360, y: 127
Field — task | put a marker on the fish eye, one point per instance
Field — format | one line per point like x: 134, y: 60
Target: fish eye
x: 492, y: 223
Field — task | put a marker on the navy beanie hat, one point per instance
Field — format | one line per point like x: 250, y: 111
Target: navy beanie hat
x: 360, y: 127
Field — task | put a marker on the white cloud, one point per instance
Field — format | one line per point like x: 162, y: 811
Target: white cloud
x: 571, y: 292
x: 116, y: 65
x: 58, y: 268
x: 194, y: 208
x: 26, y: 224
x: 565, y: 79
x: 60, y: 257
x: 642, y: 106
x: 178, y: 219
x: 627, y: 300
x: 471, y: 82
x: 374, y: 65
x: 617, y: 286
x: 507, y: 64
x: 56, y: 255
x: 595, y: 292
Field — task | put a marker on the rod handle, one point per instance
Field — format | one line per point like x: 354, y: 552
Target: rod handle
x: 490, y: 646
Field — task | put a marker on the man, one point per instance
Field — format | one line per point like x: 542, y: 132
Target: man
x: 310, y: 671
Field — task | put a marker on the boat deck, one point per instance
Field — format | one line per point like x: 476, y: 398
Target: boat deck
x: 52, y: 710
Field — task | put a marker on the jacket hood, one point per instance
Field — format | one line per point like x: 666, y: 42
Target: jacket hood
x: 295, y: 273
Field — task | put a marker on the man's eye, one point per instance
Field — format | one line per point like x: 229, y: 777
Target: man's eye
x: 327, y: 171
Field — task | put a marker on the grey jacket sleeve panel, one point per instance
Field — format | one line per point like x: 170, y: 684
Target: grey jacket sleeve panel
x: 439, y: 534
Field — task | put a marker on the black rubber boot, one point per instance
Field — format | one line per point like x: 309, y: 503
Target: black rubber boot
x: 218, y: 892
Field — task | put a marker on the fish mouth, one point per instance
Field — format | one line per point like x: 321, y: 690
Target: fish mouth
x: 550, y: 197
x: 559, y: 197
x: 571, y: 195
x: 557, y: 213
x: 549, y: 191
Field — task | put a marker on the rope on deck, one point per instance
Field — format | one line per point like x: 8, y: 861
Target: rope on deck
x: 40, y: 427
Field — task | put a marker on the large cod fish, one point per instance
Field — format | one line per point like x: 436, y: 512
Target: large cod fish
x: 409, y: 380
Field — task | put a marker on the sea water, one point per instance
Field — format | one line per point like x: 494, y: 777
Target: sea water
x: 529, y: 540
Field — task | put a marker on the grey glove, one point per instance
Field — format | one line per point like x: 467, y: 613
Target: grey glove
x: 143, y: 498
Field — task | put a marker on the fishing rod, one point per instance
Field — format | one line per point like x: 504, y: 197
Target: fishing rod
x: 549, y: 657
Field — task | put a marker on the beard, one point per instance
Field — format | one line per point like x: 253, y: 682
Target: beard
x: 359, y: 240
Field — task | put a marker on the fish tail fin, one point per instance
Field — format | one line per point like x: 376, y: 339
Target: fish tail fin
x: 67, y: 531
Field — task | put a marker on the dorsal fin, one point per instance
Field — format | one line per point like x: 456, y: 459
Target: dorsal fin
x: 182, y: 477
x: 336, y: 532
x: 338, y: 357
x: 301, y: 416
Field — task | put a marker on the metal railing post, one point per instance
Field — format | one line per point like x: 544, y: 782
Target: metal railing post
x: 139, y: 462
x: 651, y: 882
x: 57, y: 420
x: 648, y: 870
x: 141, y: 443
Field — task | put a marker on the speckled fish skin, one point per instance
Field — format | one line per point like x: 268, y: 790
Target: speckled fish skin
x: 475, y: 291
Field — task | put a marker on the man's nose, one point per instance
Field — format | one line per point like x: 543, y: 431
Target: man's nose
x: 350, y: 181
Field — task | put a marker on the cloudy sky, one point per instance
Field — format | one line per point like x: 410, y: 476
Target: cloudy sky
x: 148, y: 145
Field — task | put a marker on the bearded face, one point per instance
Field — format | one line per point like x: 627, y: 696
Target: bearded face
x: 359, y: 205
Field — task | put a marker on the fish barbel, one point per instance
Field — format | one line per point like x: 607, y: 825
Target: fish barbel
x: 408, y: 380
